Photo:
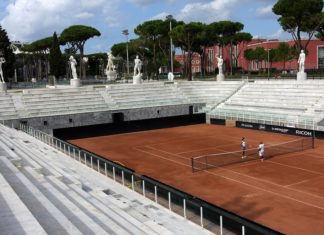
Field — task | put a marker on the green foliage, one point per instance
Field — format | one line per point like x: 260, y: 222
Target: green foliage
x: 249, y: 54
x: 283, y: 53
x: 241, y: 37
x: 187, y: 35
x: 320, y: 29
x: 260, y: 54
x: 8, y: 67
x: 151, y: 32
x: 298, y: 16
x: 57, y: 63
x: 96, y: 64
x: 41, y: 45
x: 76, y: 36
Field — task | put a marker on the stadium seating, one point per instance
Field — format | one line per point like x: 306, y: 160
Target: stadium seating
x: 42, y: 102
x: 44, y: 191
x: 277, y: 102
x: 289, y: 101
x: 211, y: 93
x: 145, y: 95
x: 7, y: 107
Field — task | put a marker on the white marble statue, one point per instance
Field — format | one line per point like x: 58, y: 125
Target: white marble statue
x: 301, y: 61
x: 110, y: 64
x: 2, y: 61
x: 138, y: 66
x: 220, y: 64
x: 170, y: 76
x: 73, y: 64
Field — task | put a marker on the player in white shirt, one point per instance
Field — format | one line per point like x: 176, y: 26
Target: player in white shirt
x: 243, y: 147
x: 261, y: 151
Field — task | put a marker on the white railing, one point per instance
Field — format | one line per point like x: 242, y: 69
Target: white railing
x: 265, y: 118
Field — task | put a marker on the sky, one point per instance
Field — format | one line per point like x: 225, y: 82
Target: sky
x: 30, y: 20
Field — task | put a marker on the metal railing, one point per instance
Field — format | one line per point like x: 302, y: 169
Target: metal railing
x: 263, y: 118
x: 208, y: 216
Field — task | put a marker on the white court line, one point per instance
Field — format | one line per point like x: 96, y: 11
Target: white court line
x: 240, y: 182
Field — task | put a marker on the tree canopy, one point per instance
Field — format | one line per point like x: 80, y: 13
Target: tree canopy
x: 6, y: 52
x: 187, y: 35
x: 41, y: 45
x: 76, y: 36
x: 297, y: 16
x: 57, y: 64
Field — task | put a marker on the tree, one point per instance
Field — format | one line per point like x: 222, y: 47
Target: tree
x: 150, y: 32
x: 229, y: 34
x: 40, y: 49
x: 240, y: 37
x: 8, y: 67
x: 320, y: 30
x: 260, y: 54
x: 283, y: 53
x: 204, y: 40
x: 297, y: 16
x: 76, y: 36
x: 249, y: 56
x: 57, y: 64
x: 187, y: 35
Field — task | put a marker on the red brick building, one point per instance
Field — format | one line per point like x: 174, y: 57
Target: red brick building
x: 314, y: 58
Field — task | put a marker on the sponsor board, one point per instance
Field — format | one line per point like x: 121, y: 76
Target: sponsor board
x: 277, y: 129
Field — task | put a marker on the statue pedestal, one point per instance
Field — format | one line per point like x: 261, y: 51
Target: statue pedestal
x: 75, y: 82
x: 3, y: 87
x: 111, y: 75
x: 220, y: 77
x: 137, y: 79
x: 301, y: 76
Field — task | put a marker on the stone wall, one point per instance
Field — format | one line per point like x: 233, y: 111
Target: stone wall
x: 49, y: 123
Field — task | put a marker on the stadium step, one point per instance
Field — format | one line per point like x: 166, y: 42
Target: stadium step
x: 47, y: 215
x: 15, y: 216
x: 74, y: 213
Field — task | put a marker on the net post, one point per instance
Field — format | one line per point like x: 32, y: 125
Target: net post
x: 313, y: 137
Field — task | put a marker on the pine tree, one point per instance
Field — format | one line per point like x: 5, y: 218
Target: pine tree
x: 57, y: 64
x: 6, y: 52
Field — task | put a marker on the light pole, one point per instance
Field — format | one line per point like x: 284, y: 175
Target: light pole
x: 170, y: 18
x: 125, y: 32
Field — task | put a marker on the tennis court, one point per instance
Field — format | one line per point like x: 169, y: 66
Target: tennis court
x: 285, y: 192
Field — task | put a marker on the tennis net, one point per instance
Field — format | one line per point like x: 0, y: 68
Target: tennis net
x: 208, y: 161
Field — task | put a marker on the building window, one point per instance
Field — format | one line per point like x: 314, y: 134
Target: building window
x: 321, y: 57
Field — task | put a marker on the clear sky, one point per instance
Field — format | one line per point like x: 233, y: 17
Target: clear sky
x: 29, y: 20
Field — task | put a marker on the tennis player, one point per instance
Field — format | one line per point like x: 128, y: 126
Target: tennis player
x: 243, y: 147
x: 261, y: 151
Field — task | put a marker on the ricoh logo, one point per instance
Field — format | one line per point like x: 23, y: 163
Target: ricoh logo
x: 303, y: 133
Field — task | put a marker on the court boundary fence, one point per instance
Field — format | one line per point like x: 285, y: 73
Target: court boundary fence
x: 206, y: 215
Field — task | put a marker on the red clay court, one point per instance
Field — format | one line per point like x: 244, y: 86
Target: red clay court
x: 285, y: 193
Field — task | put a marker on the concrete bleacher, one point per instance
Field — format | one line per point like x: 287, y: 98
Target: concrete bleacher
x: 67, y: 100
x: 42, y: 102
x: 7, y: 107
x: 44, y: 191
x: 209, y: 92
x: 287, y: 100
x: 145, y: 95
